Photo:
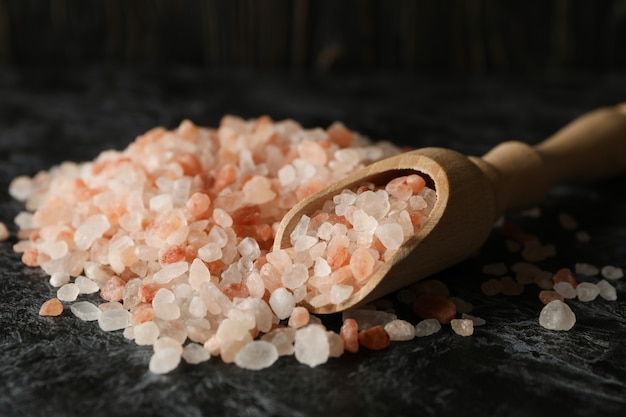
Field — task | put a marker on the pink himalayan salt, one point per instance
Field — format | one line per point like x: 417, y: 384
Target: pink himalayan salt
x: 51, y: 307
x: 374, y: 338
x: 113, y: 290
x: 462, y: 327
x: 299, y: 317
x: 4, y: 232
x: 349, y: 332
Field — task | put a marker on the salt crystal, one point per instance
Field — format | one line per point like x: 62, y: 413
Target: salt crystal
x: 427, y: 327
x: 114, y: 320
x: 258, y: 190
x: 295, y: 276
x: 4, y: 232
x: 567, y: 221
x: 22, y: 188
x: 52, y: 307
x: 68, y: 292
x: 340, y: 293
x: 462, y: 327
x: 335, y: 344
x: 170, y: 272
x: 311, y: 345
x: 368, y: 318
x: 85, y: 310
x: 587, y: 291
x: 612, y: 272
x: 282, y: 338
x: 91, y: 229
x: 166, y: 342
x: 146, y: 333
x: 565, y: 289
x: 282, y: 303
x: 58, y: 279
x: 496, y: 269
x: 129, y: 333
x: 556, y: 315
x: 256, y: 355
x: 164, y: 361
x: 586, y: 269
x: 390, y: 235
x: 491, y: 287
x: 478, y: 321
x: 300, y: 229
x: 607, y: 291
x: 510, y: 287
x: 86, y: 286
x: 400, y: 330
x: 24, y: 220
x: 321, y: 267
x: 195, y: 353
x: 249, y: 248
x: 112, y: 305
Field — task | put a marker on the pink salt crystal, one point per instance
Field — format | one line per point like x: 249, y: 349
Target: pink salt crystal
x: 335, y: 344
x: 399, y: 188
x: 299, y: 317
x: 258, y: 190
x: 556, y: 315
x: 113, y: 290
x: 391, y: 235
x: 4, y: 232
x: 198, y: 204
x: 374, y: 338
x: 312, y: 152
x: 349, y: 332
x: 164, y: 361
x: 400, y: 330
x: 294, y: 276
x: 462, y: 327
x: 340, y: 293
x: 52, y: 307
x: 91, y: 229
x: 361, y: 264
x: 194, y: 353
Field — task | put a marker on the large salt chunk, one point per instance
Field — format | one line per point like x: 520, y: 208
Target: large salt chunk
x: 294, y: 276
x: 111, y: 320
x: 85, y: 310
x: 68, y: 292
x: 90, y: 230
x: 256, y: 355
x: 164, y: 361
x: 391, y: 235
x: 21, y: 188
x: 282, y: 303
x: 258, y: 190
x: 556, y: 315
x: 587, y: 291
x: 311, y: 345
x: 340, y: 293
x: 612, y: 272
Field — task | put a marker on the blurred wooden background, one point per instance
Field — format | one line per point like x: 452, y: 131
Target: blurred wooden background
x: 456, y: 36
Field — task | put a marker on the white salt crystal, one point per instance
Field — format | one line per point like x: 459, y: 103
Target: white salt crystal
x: 161, y: 203
x: 24, y: 220
x: 607, y: 291
x: 294, y: 276
x: 85, y: 285
x: 300, y: 229
x: 556, y: 315
x: 478, y: 321
x: 90, y: 230
x: 85, y: 310
x: 496, y: 269
x: 340, y: 293
x: 335, y: 344
x: 218, y: 236
x: 198, y: 274
x: 391, y: 235
x: 249, y: 248
x: 170, y: 272
x: 565, y: 289
x: 427, y: 327
x: 146, y: 333
x: 324, y: 231
x: 462, y: 327
x: 400, y: 330
x: 129, y: 333
x: 286, y: 175
x: 231, y: 330
x: 222, y: 218
x: 58, y: 279
x: 195, y: 353
x: 612, y: 272
x: 567, y: 221
x: 114, y: 320
x: 164, y: 361
x: 197, y: 307
x: 586, y: 269
x: 311, y: 345
x: 111, y: 305
x: 22, y: 188
x: 321, y: 267
x: 258, y: 190
x: 587, y: 291
x: 256, y: 355
x: 282, y: 303
x: 304, y: 242
x: 166, y: 342
x: 68, y: 292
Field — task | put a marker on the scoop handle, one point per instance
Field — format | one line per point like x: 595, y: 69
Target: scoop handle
x: 592, y: 146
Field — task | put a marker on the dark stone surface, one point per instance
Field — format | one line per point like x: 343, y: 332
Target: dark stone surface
x: 509, y: 367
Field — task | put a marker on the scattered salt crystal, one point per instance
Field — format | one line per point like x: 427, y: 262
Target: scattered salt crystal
x: 58, y: 279
x: 86, y: 285
x: 85, y: 311
x: 256, y: 355
x: 68, y: 292
x: 586, y: 269
x: 52, y: 307
x: 114, y: 320
x: 565, y: 289
x: 282, y: 338
x: 400, y: 330
x: 166, y: 342
x: 612, y: 272
x: 607, y: 291
x: 491, y: 287
x: 4, y: 232
x: 496, y: 269
x: 282, y: 303
x: 164, y: 361
x: 587, y: 291
x: 462, y: 327
x: 129, y: 333
x: 556, y: 315
x: 300, y: 228
x: 90, y: 230
x: 511, y: 287
x: 427, y: 327
x: 335, y: 344
x: 22, y: 188
x: 24, y: 220
x: 477, y: 321
x: 311, y: 345
x: 146, y: 333
x: 340, y: 293
x: 195, y: 353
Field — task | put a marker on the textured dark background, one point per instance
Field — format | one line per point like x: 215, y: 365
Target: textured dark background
x: 80, y: 77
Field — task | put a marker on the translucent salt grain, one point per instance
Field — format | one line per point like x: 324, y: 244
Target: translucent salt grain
x: 170, y: 272
x: 427, y: 327
x: 194, y: 353
x: 68, y: 292
x: 85, y: 311
x: 462, y: 306
x: 612, y: 272
x: 58, y: 279
x: 565, y: 289
x: 607, y: 291
x: 311, y: 345
x: 85, y: 285
x: 340, y: 293
x: 164, y: 361
x: 511, y: 287
x: 400, y: 330
x: 295, y: 276
x: 282, y: 303
x: 368, y: 318
x: 166, y: 342
x: 586, y: 269
x: 282, y: 338
x: 321, y: 267
x: 587, y: 291
x: 114, y: 320
x: 129, y: 333
x: 497, y: 269
x: 556, y: 315
x: 390, y: 235
x: 52, y: 307
x: 258, y: 190
x: 146, y: 333
x: 335, y: 344
x: 222, y: 218
x: 477, y: 321
x: 249, y: 248
x: 491, y: 287
x: 304, y: 242
x: 462, y: 327
x: 4, y: 232
x: 90, y: 230
x: 300, y: 228
x: 256, y: 355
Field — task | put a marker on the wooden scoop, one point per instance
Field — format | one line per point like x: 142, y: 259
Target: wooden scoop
x: 472, y: 193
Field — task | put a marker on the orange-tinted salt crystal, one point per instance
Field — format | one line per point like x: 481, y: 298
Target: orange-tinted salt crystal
x: 113, y: 289
x: 299, y: 317
x: 190, y: 164
x: 141, y: 313
x: 215, y: 267
x: 417, y: 218
x: 29, y: 257
x: 362, y: 264
x: 549, y: 295
x: 342, y: 275
x: 340, y: 135
x: 349, y: 332
x: 52, y: 307
x: 416, y: 182
x: 225, y: 177
x: 565, y: 275
x: 172, y: 254
x: 337, y: 253
x: 374, y: 338
x: 430, y: 287
x: 310, y: 187
x: 438, y: 307
x: 235, y: 290
x: 198, y: 203
x: 246, y: 215
x: 147, y: 291
x: 399, y: 189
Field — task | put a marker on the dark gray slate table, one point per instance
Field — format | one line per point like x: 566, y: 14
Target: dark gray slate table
x: 509, y: 367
